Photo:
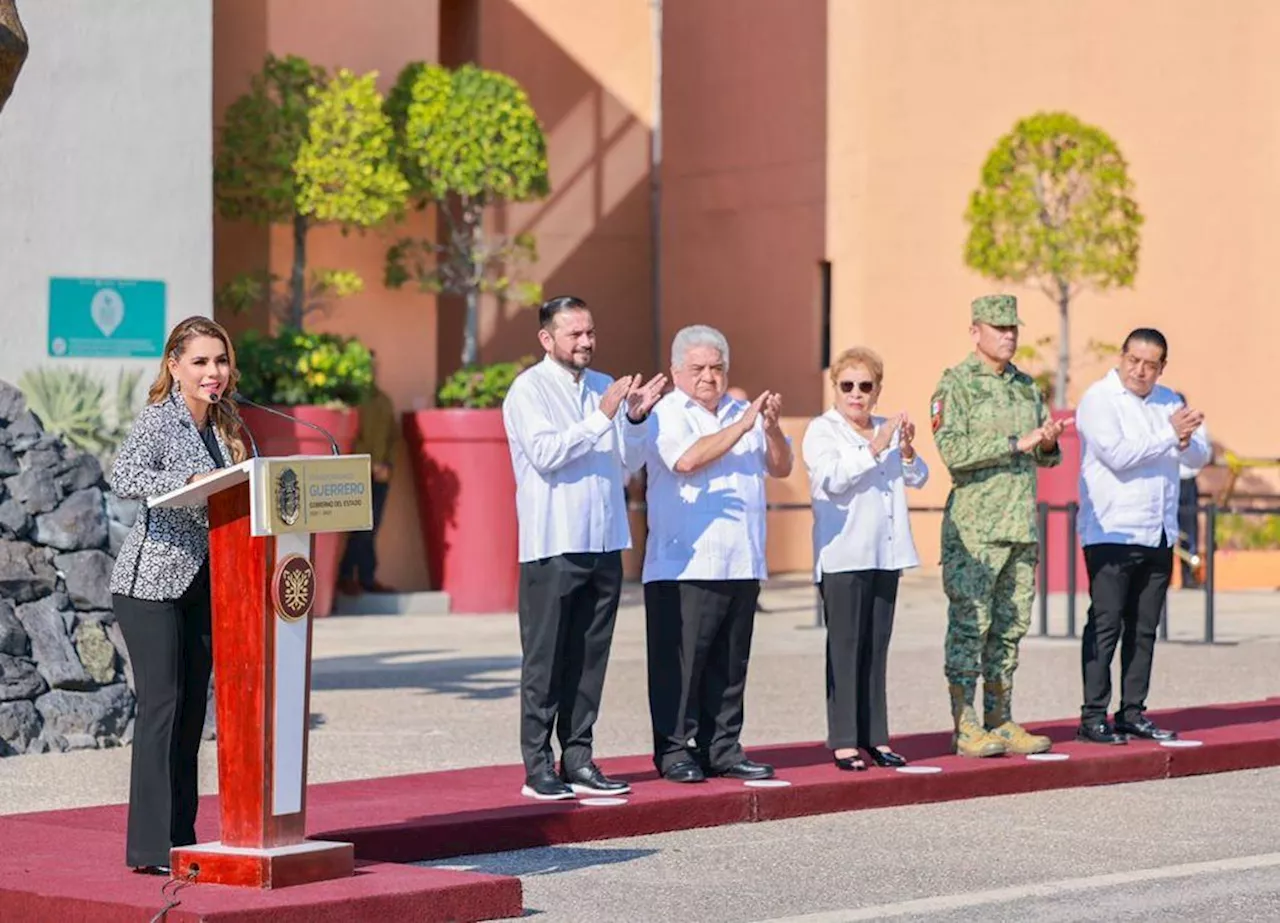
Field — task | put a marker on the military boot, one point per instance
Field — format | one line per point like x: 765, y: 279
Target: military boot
x: 970, y: 738
x: 997, y: 697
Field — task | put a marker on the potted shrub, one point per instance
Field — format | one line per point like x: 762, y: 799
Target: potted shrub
x: 467, y: 141
x: 1054, y: 209
x: 468, y: 513
x: 1248, y: 552
x: 317, y: 377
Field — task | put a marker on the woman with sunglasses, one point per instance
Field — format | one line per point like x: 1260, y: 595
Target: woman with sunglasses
x: 859, y: 465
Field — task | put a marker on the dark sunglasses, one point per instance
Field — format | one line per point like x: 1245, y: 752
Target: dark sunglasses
x: 866, y: 387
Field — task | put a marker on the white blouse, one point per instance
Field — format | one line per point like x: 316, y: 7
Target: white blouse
x: 860, y: 519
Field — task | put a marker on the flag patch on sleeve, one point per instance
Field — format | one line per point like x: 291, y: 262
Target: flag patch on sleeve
x: 935, y: 414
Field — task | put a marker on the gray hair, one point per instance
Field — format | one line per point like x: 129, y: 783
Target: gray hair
x: 695, y: 336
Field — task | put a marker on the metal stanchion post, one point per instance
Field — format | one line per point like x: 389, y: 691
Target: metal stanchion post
x: 1042, y: 530
x: 1072, y: 509
x: 1210, y: 550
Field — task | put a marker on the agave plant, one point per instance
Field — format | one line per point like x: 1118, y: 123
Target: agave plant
x: 73, y: 404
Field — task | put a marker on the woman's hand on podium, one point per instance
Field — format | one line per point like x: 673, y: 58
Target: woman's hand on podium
x: 201, y: 476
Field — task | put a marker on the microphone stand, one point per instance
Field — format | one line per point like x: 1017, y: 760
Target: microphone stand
x: 241, y: 399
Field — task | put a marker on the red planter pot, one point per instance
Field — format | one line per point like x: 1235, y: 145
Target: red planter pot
x: 1058, y: 487
x: 466, y: 506
x: 276, y: 436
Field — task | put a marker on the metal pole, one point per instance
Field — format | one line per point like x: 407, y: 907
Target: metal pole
x: 1210, y: 550
x: 655, y: 185
x: 1072, y: 509
x: 1042, y: 529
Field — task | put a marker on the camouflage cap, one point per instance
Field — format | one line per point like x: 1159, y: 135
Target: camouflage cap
x: 996, y: 310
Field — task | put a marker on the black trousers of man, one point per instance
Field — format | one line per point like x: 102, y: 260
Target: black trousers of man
x: 858, y: 609
x: 360, y: 560
x: 1127, y: 588
x: 169, y: 644
x: 699, y: 640
x: 1189, y: 525
x: 568, y: 605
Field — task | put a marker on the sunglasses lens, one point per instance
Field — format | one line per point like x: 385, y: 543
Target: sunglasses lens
x: 866, y: 387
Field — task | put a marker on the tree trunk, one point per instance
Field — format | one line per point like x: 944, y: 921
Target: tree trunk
x: 471, y: 329
x: 13, y: 48
x: 298, y: 277
x: 1064, y: 345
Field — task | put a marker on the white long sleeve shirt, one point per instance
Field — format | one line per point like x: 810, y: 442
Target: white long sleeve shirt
x: 1129, y: 472
x: 860, y: 518
x: 569, y: 460
x: 708, y: 524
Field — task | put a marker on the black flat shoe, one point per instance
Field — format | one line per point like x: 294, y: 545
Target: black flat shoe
x: 748, y: 770
x: 589, y: 780
x: 1099, y: 732
x: 886, y: 759
x: 1144, y: 728
x: 684, y: 771
x: 849, y: 763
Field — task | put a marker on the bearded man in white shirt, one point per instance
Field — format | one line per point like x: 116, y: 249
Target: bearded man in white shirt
x: 707, y: 455
x: 1135, y: 434
x: 565, y: 430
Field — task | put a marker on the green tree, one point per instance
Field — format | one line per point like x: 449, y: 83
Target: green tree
x: 13, y: 48
x: 303, y: 149
x: 466, y: 140
x: 1054, y: 207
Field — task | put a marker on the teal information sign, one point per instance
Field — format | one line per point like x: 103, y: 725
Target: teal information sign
x: 107, y: 318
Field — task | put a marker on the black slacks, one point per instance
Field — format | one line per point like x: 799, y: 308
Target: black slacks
x: 567, y: 605
x: 169, y: 645
x: 1127, y: 587
x: 699, y: 641
x: 360, y: 560
x: 858, y: 608
x: 1189, y: 525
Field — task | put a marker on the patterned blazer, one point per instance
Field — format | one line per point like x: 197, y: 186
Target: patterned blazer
x: 166, y: 548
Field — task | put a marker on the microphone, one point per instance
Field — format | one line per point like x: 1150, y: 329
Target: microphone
x: 241, y: 399
x: 214, y: 398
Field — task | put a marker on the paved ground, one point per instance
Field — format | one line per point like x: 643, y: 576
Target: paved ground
x: 397, y: 694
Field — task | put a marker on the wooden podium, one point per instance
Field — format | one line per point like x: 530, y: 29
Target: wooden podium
x: 263, y: 514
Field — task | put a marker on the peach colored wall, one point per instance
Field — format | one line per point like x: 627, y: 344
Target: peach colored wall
x: 588, y: 73
x: 400, y: 326
x: 919, y: 93
x: 744, y: 177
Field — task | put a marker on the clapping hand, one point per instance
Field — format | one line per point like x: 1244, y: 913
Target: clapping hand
x: 884, y: 435
x: 1185, y: 422
x: 616, y: 393
x: 753, y: 411
x: 642, y: 397
x: 1050, y: 432
x: 906, y: 436
x: 771, y: 409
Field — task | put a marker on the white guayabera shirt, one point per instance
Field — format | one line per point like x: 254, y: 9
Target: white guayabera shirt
x: 860, y: 518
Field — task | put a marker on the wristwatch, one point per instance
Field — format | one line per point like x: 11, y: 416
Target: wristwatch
x: 1013, y: 446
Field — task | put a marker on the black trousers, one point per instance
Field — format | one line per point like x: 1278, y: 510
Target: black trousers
x: 858, y: 609
x: 360, y: 560
x: 170, y: 648
x: 699, y: 640
x: 1189, y: 525
x: 568, y: 604
x: 1127, y: 587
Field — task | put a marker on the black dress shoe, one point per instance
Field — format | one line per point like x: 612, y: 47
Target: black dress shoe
x: 589, y: 780
x: 1143, y: 727
x: 684, y: 771
x: 546, y: 786
x: 746, y: 770
x: 1099, y: 732
x: 886, y: 759
x: 153, y: 870
x: 849, y: 763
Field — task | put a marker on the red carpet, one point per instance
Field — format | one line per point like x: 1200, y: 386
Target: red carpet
x: 67, y: 865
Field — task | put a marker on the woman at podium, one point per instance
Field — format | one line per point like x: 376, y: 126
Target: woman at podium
x: 160, y: 584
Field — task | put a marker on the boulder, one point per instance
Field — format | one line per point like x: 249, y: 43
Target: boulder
x: 9, y: 464
x: 122, y: 510
x: 87, y: 575
x: 24, y: 431
x: 102, y: 713
x: 79, y: 522
x: 35, y: 489
x: 13, y: 637
x: 80, y: 472
x: 26, y: 573
x: 13, y: 403
x: 51, y: 648
x: 96, y: 652
x: 14, y: 521
x: 19, y: 679
x: 19, y: 726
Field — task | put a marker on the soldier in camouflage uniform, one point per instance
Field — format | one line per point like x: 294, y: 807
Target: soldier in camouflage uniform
x: 992, y: 431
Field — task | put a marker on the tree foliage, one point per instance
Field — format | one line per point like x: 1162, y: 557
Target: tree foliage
x: 466, y: 140
x: 13, y: 48
x: 301, y: 149
x: 1054, y: 207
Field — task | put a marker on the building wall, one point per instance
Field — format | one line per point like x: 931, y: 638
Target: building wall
x: 399, y: 325
x: 105, y: 178
x: 919, y: 93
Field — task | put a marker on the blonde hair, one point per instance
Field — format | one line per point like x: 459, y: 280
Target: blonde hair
x: 861, y: 356
x: 223, y: 415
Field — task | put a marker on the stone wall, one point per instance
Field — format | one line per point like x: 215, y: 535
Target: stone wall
x: 65, y: 680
